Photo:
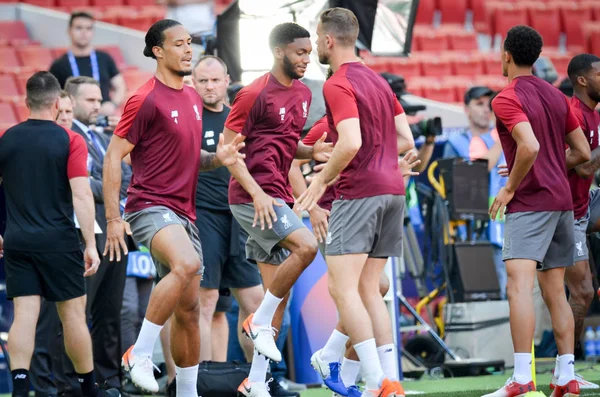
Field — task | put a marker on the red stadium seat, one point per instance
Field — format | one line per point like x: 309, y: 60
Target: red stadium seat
x: 21, y: 79
x: 8, y: 87
x: 21, y: 109
x: 453, y: 11
x: 9, y: 59
x: 417, y: 85
x: 425, y: 12
x: 560, y: 60
x: 140, y: 2
x: 491, y: 63
x: 461, y: 40
x: 134, y: 79
x: 116, y: 54
x: 504, y: 16
x: 405, y: 67
x: 7, y: 113
x: 13, y: 31
x: 477, y: 7
x: 460, y: 85
x: 435, y: 67
x: 464, y: 64
x: 572, y: 18
x: 107, y: 2
x: 36, y: 57
x: 41, y: 3
x: 58, y: 51
x: 430, y: 40
x: 545, y: 18
x: 592, y: 33
x: 495, y: 82
x: 73, y: 3
x: 137, y: 21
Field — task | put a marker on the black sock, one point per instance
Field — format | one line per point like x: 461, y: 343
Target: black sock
x: 20, y: 378
x: 88, y: 384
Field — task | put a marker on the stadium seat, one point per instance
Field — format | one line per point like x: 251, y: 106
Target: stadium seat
x: 36, y: 57
x: 107, y: 2
x: 572, y: 18
x: 135, y: 21
x: 560, y: 60
x: 140, y: 2
x: 478, y: 10
x: 430, y: 40
x: 134, y: 79
x: 459, y: 84
x: 492, y: 63
x: 13, y: 32
x: 545, y: 18
x: 21, y: 109
x: 58, y: 51
x: 41, y: 3
x: 435, y: 67
x: 425, y: 12
x: 8, y: 87
x: 21, y: 79
x: 592, y: 33
x: 115, y: 52
x: 461, y: 40
x: 453, y: 11
x: 9, y: 59
x: 73, y: 3
x: 464, y: 64
x: 495, y: 82
x: 7, y: 113
x: 504, y: 16
x: 405, y: 67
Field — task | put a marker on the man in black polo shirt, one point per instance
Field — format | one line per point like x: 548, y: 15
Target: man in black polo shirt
x: 42, y: 251
x: 83, y: 60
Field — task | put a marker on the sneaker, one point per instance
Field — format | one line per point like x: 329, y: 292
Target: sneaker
x: 512, y: 389
x: 571, y: 389
x: 354, y: 391
x: 330, y: 373
x: 263, y: 339
x: 291, y: 386
x: 141, y: 371
x: 255, y: 389
x: 388, y: 389
x: 109, y: 393
x: 583, y: 384
x: 276, y: 390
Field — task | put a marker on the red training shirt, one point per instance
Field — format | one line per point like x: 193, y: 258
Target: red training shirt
x: 313, y: 135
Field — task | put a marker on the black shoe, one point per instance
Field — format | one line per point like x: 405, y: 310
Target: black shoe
x: 109, y: 393
x: 276, y: 390
x: 171, y: 389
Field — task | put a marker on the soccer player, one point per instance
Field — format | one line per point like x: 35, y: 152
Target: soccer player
x: 534, y: 121
x: 584, y: 73
x: 42, y: 252
x: 366, y: 222
x: 270, y: 113
x: 223, y: 240
x: 162, y: 129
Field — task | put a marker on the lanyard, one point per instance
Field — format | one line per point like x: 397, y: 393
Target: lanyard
x: 93, y: 60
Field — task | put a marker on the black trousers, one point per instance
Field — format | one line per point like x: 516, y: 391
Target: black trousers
x: 51, y: 370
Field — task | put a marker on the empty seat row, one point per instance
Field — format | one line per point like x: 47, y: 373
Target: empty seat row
x: 451, y: 90
x: 448, y: 37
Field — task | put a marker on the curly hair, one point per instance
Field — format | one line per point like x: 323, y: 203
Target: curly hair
x: 524, y: 44
x: 285, y: 33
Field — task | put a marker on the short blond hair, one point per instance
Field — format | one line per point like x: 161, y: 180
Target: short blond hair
x: 342, y: 24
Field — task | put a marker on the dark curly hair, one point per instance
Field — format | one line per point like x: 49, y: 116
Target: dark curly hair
x: 524, y: 44
x: 156, y: 35
x: 285, y: 33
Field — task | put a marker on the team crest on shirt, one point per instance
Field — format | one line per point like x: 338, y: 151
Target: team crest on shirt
x: 198, y: 117
x: 305, y: 109
x: 174, y: 115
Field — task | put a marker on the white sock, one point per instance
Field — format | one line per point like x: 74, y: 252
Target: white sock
x: 522, y: 370
x: 187, y: 379
x: 388, y: 359
x: 567, y: 369
x: 259, y: 368
x: 333, y: 351
x: 265, y: 312
x: 557, y: 367
x: 367, y: 354
x: 144, y: 345
x: 349, y: 371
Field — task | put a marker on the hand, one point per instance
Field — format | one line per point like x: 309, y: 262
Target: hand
x: 318, y: 220
x: 500, y: 202
x: 229, y: 154
x: 264, y: 210
x: 108, y: 108
x: 408, y: 162
x: 322, y: 150
x: 91, y: 260
x: 296, y: 210
x: 1, y: 247
x: 503, y: 170
x: 308, y: 200
x: 318, y: 168
x: 115, y: 239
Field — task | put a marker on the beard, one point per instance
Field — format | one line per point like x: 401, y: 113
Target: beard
x: 183, y: 73
x: 324, y: 58
x: 594, y: 94
x: 212, y: 101
x: 288, y: 68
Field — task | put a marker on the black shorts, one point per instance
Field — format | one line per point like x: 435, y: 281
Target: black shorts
x: 56, y: 276
x: 225, y: 301
x: 225, y: 264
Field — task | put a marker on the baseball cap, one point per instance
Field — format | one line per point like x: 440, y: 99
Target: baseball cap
x: 477, y: 92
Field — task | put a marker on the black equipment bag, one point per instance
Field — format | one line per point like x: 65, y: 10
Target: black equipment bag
x: 218, y: 379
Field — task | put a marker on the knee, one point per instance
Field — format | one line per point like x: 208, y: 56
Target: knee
x: 251, y: 302
x: 186, y: 268
x: 583, y: 293
x: 384, y: 285
x: 516, y: 287
x: 188, y: 312
x: 369, y: 289
x: 208, y: 303
x: 308, y: 250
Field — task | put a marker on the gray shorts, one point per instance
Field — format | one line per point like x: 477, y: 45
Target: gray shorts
x: 371, y: 225
x: 263, y: 245
x: 594, y: 210
x: 322, y: 248
x: 580, y: 253
x: 149, y: 221
x: 544, y: 237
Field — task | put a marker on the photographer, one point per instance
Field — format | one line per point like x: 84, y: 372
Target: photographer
x: 480, y: 141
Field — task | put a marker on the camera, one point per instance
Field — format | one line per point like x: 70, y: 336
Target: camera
x: 102, y: 121
x: 428, y: 127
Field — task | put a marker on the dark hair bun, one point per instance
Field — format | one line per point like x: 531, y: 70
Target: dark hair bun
x: 148, y: 52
